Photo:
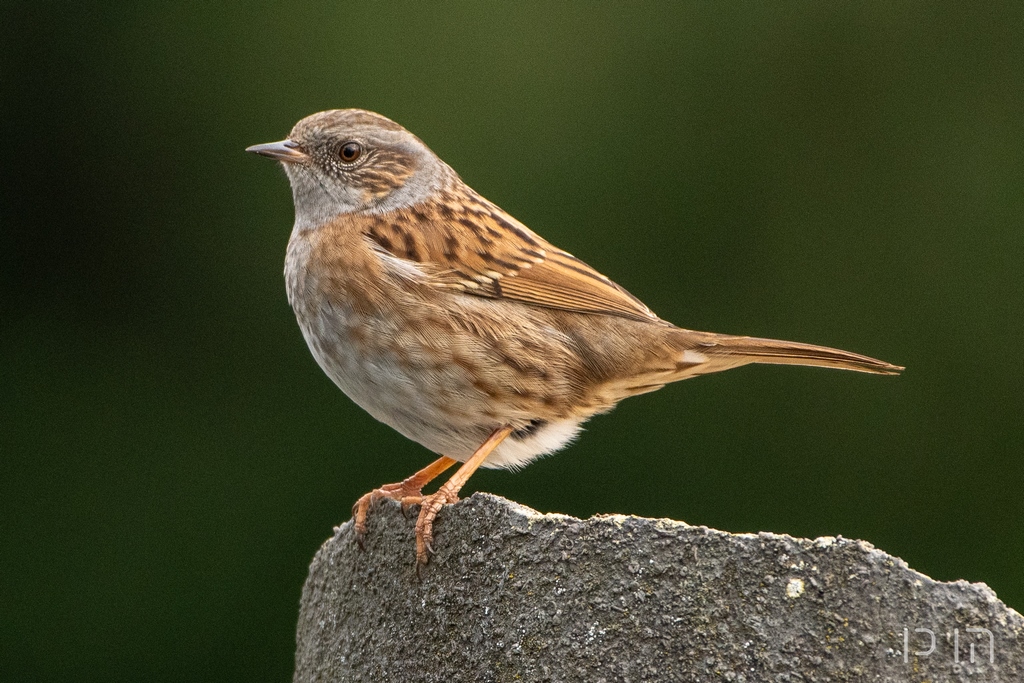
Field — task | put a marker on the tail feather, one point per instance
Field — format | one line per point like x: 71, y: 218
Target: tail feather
x: 687, y: 354
x: 728, y: 351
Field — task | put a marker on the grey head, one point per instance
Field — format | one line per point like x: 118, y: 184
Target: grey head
x: 350, y: 160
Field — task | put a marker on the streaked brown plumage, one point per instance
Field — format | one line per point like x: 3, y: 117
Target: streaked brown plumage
x: 449, y: 320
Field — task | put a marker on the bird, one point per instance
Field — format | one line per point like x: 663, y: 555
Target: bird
x: 452, y: 322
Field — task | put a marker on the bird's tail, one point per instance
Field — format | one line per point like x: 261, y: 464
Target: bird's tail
x: 682, y: 354
x: 704, y: 352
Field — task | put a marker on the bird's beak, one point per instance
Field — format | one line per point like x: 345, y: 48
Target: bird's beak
x: 285, y: 150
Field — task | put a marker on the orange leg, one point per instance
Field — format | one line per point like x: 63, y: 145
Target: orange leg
x: 449, y: 493
x: 407, y: 492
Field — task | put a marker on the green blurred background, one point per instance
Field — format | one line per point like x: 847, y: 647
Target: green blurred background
x: 171, y: 456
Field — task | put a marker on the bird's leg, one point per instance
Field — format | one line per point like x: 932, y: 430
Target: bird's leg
x: 449, y: 493
x: 407, y: 492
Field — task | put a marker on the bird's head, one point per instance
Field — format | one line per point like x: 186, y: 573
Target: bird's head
x: 350, y: 160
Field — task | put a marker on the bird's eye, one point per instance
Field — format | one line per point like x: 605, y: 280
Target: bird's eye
x: 350, y: 151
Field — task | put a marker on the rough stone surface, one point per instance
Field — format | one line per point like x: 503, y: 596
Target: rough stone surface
x: 514, y: 595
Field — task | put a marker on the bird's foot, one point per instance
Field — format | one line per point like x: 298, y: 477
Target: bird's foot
x: 407, y: 492
x: 429, y: 507
x: 400, y: 492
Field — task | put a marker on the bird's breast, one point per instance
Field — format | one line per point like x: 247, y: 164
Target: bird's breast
x: 439, y: 376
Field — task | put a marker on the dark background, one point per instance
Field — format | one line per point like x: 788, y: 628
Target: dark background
x: 171, y: 456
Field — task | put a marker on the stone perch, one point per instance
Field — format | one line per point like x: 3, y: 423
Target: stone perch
x: 514, y: 595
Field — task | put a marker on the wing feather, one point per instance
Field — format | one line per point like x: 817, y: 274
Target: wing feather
x: 475, y: 247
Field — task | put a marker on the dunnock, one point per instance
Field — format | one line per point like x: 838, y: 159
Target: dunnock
x: 452, y: 322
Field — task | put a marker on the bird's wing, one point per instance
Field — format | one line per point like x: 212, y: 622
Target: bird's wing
x: 475, y: 247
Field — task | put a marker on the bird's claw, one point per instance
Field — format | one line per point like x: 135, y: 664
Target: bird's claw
x: 429, y: 507
x: 407, y: 502
x: 400, y: 492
